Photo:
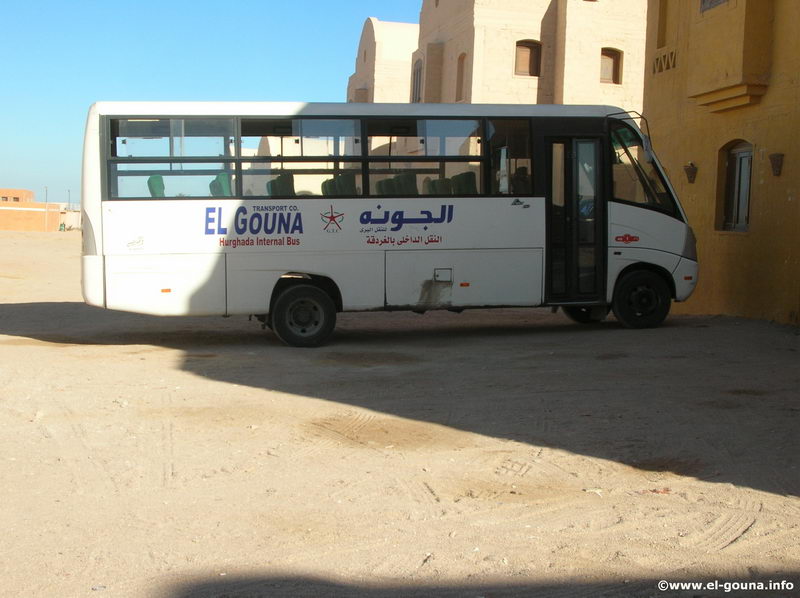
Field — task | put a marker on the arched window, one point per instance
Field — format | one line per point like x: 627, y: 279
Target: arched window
x: 460, y: 78
x: 736, y: 160
x: 416, y: 82
x: 610, y: 66
x: 528, y: 59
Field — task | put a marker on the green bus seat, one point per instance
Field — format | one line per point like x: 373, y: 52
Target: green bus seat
x: 281, y: 186
x: 215, y: 188
x: 155, y: 184
x: 224, y: 180
x: 465, y: 183
x: 328, y: 187
x: 346, y: 184
x: 220, y: 186
x: 441, y: 187
x: 406, y: 184
x: 386, y: 187
x: 286, y: 184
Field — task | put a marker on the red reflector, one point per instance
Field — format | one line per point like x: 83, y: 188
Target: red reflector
x: 688, y: 277
x: 464, y: 284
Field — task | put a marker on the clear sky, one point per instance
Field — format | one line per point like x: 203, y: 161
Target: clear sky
x: 59, y: 57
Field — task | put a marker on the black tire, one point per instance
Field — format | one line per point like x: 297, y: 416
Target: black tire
x: 303, y: 316
x: 584, y: 314
x: 641, y: 300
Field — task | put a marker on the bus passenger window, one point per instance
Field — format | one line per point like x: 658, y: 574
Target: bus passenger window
x: 510, y: 149
x: 306, y: 137
x: 428, y: 157
x: 411, y: 179
x: 425, y: 137
x: 172, y: 137
x: 130, y: 180
x: 301, y: 179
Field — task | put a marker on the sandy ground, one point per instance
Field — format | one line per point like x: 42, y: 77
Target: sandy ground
x: 491, y: 453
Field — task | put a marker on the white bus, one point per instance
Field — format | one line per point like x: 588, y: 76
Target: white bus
x: 295, y: 212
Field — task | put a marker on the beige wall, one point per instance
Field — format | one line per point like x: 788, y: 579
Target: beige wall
x: 498, y: 27
x: 383, y: 62
x: 714, y: 77
x: 587, y: 28
x: 485, y: 32
x: 446, y: 31
x: 71, y: 219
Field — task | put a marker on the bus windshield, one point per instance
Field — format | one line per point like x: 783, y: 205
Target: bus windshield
x: 636, y: 177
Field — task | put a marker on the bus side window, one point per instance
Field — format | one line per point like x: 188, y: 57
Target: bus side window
x: 428, y: 157
x: 510, y: 150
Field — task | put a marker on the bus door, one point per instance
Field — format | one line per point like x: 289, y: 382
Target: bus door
x: 576, y: 237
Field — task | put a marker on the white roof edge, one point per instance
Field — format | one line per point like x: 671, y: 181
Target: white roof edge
x: 345, y: 109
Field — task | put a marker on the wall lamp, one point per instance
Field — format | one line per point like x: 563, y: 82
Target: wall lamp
x: 691, y: 172
x: 776, y: 161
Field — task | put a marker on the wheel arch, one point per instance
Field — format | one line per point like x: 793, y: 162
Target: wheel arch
x: 661, y: 271
x: 324, y: 283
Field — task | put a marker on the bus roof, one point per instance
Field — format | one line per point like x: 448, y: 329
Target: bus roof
x: 349, y: 109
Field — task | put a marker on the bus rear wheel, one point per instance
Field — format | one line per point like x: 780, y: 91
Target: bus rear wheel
x: 641, y: 300
x: 584, y: 314
x: 303, y: 316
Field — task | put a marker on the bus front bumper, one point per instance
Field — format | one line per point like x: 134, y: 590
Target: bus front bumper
x: 685, y: 277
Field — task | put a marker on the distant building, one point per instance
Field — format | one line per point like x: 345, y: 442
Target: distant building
x: 20, y: 212
x: 721, y: 96
x: 383, y: 62
x: 517, y: 51
x: 16, y: 196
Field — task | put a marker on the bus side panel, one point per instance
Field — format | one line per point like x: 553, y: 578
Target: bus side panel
x: 91, y: 188
x: 632, y: 226
x: 641, y: 235
x: 466, y: 278
x: 167, y: 284
x: 666, y: 261
x: 252, y: 277
x: 92, y: 281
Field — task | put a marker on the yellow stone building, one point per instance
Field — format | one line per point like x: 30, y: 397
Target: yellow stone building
x: 722, y: 96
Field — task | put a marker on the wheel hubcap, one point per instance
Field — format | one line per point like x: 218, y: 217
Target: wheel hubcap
x: 644, y: 300
x: 305, y: 317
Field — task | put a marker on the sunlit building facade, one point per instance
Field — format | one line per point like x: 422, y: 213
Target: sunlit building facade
x: 515, y: 51
x: 721, y: 96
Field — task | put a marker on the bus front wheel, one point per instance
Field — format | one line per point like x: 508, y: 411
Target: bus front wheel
x: 641, y: 299
x: 303, y: 316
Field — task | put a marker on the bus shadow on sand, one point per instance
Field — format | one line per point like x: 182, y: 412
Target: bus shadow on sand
x: 646, y: 398
x: 299, y: 587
